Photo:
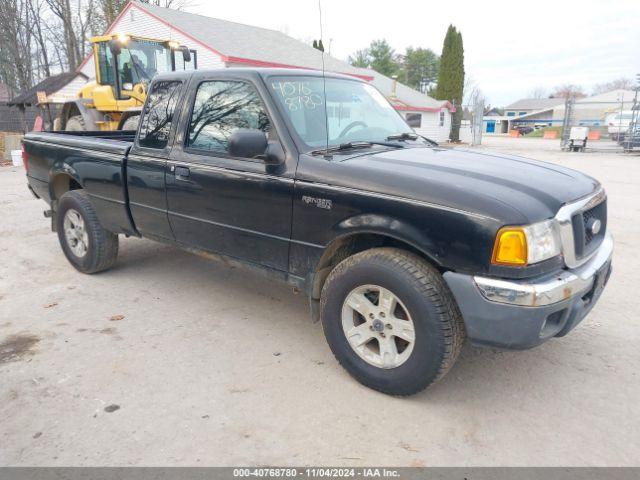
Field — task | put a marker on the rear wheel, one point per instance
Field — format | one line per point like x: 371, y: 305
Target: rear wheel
x: 131, y: 123
x: 75, y: 124
x: 391, y: 320
x: 86, y: 244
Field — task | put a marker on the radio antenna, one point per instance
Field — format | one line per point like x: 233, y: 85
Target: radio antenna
x: 324, y: 82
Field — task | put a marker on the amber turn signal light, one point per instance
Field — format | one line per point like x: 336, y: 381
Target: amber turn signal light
x: 510, y: 247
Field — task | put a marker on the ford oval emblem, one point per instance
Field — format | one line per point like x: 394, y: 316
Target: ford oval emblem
x: 596, y: 225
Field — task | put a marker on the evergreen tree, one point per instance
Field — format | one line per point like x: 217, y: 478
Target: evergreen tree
x: 451, y: 77
x: 360, y: 58
x: 383, y: 58
x: 420, y: 68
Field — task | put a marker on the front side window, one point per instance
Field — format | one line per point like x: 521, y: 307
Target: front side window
x: 354, y: 110
x: 105, y: 63
x: 221, y: 108
x: 157, y: 115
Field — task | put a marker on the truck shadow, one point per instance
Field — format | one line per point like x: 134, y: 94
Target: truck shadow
x: 480, y: 374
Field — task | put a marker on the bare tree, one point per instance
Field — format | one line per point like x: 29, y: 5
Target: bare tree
x: 39, y: 38
x: 62, y: 9
x: 15, y: 45
x: 472, y: 95
x: 568, y: 90
x: 36, y: 9
x: 538, y: 92
x: 618, y: 84
x: 109, y: 11
x: 77, y: 22
x: 175, y: 4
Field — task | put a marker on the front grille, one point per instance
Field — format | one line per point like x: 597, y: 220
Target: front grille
x: 586, y: 242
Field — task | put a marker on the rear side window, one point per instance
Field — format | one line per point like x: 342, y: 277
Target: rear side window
x: 220, y: 108
x: 158, y: 114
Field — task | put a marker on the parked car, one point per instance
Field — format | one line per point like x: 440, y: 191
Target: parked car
x: 618, y: 124
x: 403, y: 248
x: 524, y: 129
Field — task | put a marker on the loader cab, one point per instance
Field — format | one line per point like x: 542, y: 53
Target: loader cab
x: 127, y: 64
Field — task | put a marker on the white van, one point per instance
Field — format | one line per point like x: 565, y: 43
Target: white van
x: 618, y: 123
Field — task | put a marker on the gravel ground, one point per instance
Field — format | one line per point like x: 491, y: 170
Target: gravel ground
x: 171, y: 359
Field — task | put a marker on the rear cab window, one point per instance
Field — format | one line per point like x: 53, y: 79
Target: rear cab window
x: 158, y: 114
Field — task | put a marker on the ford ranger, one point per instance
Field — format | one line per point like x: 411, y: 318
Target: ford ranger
x: 404, y: 248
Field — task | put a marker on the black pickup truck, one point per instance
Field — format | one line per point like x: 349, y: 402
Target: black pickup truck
x: 404, y: 248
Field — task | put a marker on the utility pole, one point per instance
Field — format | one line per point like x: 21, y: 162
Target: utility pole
x: 633, y: 130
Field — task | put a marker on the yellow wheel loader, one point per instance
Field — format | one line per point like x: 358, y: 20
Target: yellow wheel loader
x: 125, y: 65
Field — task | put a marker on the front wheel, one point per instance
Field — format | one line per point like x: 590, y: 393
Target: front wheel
x: 86, y: 244
x: 391, y: 320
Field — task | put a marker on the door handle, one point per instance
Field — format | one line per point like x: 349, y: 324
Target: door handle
x: 181, y: 173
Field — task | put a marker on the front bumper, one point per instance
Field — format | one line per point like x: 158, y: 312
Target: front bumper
x: 524, y: 313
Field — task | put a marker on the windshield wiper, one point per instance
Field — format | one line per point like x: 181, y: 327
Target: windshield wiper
x: 403, y: 136
x: 411, y: 136
x: 353, y: 146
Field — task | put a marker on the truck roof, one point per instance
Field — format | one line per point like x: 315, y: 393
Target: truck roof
x: 253, y: 73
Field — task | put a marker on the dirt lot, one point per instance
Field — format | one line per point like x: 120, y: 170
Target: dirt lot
x: 170, y: 359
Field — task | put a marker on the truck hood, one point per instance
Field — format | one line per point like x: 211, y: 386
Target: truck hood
x: 508, y: 188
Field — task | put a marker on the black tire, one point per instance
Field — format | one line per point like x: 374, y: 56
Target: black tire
x: 102, y: 249
x: 438, y: 324
x: 131, y: 123
x: 75, y: 124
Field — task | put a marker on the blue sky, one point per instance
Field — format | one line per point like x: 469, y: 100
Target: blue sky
x: 511, y: 47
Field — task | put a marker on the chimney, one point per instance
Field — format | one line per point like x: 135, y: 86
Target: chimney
x: 394, y: 86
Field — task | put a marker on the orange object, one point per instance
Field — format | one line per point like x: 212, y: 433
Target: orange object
x: 550, y: 134
x: 514, y: 133
x: 38, y: 124
x: 595, y: 135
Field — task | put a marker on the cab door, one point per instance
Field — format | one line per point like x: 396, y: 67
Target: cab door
x: 147, y: 161
x: 239, y: 207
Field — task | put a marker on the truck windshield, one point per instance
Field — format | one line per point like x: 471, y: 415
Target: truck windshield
x: 140, y: 60
x: 354, y: 111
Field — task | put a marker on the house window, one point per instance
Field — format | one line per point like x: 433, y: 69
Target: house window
x: 414, y: 119
x: 511, y: 114
x: 441, y: 123
x: 522, y: 113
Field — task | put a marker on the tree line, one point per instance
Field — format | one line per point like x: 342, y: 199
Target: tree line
x: 578, y: 91
x: 40, y: 38
x: 415, y: 67
x: 440, y: 76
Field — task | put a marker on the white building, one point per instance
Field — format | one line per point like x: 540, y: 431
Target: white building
x: 592, y: 111
x: 219, y: 43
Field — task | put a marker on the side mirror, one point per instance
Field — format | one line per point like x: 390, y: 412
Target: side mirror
x: 251, y: 143
x: 186, y: 54
x: 248, y: 143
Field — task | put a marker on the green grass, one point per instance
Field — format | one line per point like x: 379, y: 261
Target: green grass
x: 539, y: 133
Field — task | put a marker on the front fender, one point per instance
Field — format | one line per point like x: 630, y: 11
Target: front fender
x: 387, y: 226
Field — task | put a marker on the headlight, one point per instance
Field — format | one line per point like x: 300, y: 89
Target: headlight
x: 526, y: 245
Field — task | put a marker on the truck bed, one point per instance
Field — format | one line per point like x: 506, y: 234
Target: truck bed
x: 95, y: 161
